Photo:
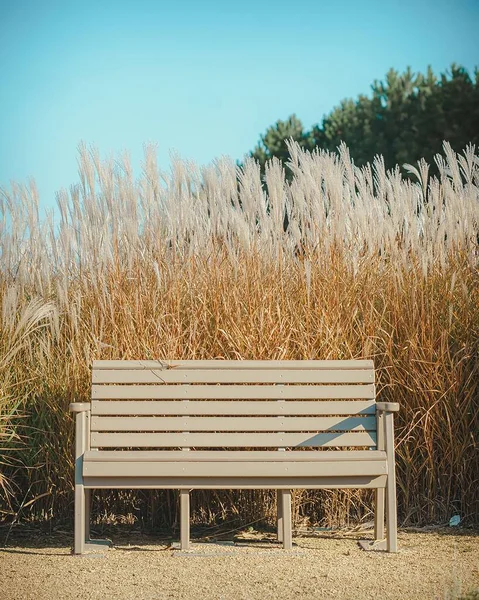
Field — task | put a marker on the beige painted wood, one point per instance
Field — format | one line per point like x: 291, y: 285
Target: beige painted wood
x: 233, y: 469
x: 233, y: 455
x: 186, y: 403
x: 80, y: 523
x: 231, y: 440
x: 245, y: 407
x: 379, y: 496
x: 131, y: 400
x: 285, y: 496
x: 233, y: 376
x: 277, y: 424
x: 232, y: 392
x: 279, y: 516
x: 387, y: 406
x: 184, y: 519
x: 391, y: 506
x: 236, y: 364
x: 236, y: 483
x: 80, y: 495
x: 87, y: 431
x: 76, y: 407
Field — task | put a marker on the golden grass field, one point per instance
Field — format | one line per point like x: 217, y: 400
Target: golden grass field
x: 211, y: 262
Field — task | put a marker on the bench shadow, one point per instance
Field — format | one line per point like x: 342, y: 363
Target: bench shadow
x: 37, y: 541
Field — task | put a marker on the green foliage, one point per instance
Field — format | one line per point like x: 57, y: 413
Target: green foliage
x: 407, y: 117
x: 273, y: 142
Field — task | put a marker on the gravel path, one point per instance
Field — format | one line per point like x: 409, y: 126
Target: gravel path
x: 433, y: 565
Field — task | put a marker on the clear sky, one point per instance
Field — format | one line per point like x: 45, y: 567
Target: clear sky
x: 204, y: 77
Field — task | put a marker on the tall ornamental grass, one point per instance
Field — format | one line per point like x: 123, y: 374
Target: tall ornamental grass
x: 216, y: 262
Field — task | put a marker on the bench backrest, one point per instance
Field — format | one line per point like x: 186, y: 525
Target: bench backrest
x: 233, y: 404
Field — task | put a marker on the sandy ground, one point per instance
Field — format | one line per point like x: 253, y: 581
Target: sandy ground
x: 439, y: 564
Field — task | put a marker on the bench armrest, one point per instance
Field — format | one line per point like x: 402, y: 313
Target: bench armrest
x: 387, y: 406
x: 78, y: 407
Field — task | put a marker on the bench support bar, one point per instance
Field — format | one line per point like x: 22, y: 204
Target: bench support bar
x: 380, y: 493
x: 80, y: 505
x: 279, y: 515
x: 184, y: 519
x: 391, y: 509
x: 286, y: 517
x: 235, y: 483
x: 82, y: 528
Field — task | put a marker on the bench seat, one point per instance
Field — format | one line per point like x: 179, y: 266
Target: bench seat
x: 178, y: 465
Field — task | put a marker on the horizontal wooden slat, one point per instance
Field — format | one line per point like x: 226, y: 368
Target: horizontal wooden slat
x: 235, y: 483
x: 233, y: 392
x: 300, y: 455
x: 230, y: 440
x: 233, y: 469
x: 233, y: 424
x: 232, y: 376
x: 254, y: 407
x: 233, y: 364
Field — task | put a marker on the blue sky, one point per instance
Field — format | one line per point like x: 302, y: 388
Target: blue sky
x: 203, y: 78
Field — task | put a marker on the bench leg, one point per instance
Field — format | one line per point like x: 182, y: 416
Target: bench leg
x: 80, y: 520
x: 279, y: 515
x: 286, y: 514
x: 391, y: 505
x: 379, y: 514
x: 184, y: 519
x: 391, y: 514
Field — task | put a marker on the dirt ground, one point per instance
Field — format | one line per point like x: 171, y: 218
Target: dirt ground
x: 437, y: 564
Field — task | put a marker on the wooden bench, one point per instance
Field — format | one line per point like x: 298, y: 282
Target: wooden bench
x: 211, y: 424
